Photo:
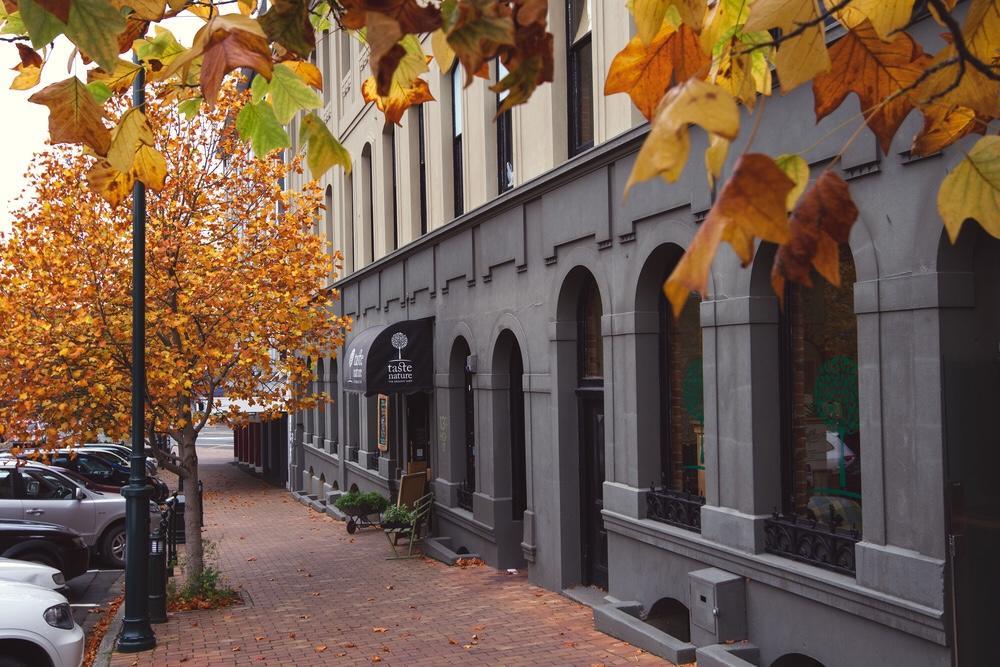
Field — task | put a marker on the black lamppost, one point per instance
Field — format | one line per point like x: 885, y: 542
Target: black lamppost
x: 137, y: 634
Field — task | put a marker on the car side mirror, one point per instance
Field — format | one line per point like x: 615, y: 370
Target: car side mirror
x: 78, y: 493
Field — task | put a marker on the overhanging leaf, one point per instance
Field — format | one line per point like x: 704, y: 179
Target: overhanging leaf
x: 289, y: 94
x: 42, y: 26
x: 646, y: 72
x: 94, y: 26
x: 257, y: 123
x: 74, y: 116
x: 323, y: 151
x: 972, y: 190
x: 796, y: 169
x: 875, y: 71
x: 665, y: 151
x: 131, y: 132
x: 287, y: 23
x: 752, y: 203
x: 803, y: 56
x: 476, y: 29
x: 150, y: 167
x: 821, y: 221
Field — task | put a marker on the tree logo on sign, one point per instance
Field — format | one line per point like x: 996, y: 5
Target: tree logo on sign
x: 399, y: 341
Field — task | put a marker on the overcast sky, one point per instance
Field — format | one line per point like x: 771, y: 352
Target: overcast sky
x: 26, y: 124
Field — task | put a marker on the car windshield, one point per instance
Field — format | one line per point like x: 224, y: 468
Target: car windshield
x: 45, y: 485
x: 90, y: 464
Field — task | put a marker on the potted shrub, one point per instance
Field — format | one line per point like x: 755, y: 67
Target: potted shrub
x: 397, y: 516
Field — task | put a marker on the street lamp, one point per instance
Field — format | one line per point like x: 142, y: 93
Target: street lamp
x: 137, y: 634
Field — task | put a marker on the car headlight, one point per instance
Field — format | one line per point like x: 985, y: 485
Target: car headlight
x: 59, y: 579
x: 59, y: 616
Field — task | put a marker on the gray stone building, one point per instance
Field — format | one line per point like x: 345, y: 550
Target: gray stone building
x: 812, y: 479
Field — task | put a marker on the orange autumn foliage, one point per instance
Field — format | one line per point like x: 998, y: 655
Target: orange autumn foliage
x: 235, y: 291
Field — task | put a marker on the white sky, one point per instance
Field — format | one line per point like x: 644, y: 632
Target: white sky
x: 26, y: 124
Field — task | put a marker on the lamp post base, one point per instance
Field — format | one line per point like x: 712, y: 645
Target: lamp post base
x: 136, y: 636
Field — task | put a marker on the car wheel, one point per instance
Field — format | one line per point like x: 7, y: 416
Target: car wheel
x: 352, y: 526
x: 41, y: 558
x: 10, y: 661
x: 113, y: 545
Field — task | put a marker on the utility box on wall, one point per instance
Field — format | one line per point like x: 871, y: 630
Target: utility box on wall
x: 718, y: 607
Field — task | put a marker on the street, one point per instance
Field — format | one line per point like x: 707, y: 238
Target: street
x: 300, y: 609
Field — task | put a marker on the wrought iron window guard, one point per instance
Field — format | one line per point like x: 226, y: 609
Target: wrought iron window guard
x: 334, y: 447
x: 809, y: 541
x: 373, y: 460
x: 352, y: 454
x: 675, y: 508
x: 465, y: 496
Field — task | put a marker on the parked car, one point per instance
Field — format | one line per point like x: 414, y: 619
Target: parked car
x: 37, y: 628
x: 36, y: 574
x: 100, y: 467
x: 125, y: 453
x: 34, y: 491
x: 45, y: 543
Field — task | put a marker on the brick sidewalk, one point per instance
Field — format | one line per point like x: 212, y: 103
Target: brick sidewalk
x: 322, y: 597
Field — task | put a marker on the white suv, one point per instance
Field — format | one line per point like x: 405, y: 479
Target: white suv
x: 37, y: 628
x: 37, y: 492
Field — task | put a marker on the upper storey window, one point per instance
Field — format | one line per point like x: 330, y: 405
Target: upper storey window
x: 579, y: 59
x: 505, y: 139
x: 456, y: 138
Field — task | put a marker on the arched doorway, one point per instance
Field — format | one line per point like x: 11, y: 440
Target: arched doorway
x: 518, y: 454
x: 590, y: 409
x: 971, y: 393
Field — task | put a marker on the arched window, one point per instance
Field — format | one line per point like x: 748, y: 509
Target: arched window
x: 505, y: 139
x: 821, y: 447
x: 682, y: 411
x: 456, y: 139
x: 579, y: 60
x: 367, y: 206
x: 389, y: 187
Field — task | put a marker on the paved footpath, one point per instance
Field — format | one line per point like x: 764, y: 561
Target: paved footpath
x: 319, y: 596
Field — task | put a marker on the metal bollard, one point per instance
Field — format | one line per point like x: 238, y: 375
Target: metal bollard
x: 158, y: 574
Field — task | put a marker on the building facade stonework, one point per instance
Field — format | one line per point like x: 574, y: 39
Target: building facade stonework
x: 813, y: 477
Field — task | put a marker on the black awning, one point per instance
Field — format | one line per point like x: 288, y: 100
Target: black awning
x: 392, y: 359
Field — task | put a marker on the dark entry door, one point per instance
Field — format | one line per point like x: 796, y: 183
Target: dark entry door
x: 972, y: 393
x: 595, y: 537
x: 418, y: 428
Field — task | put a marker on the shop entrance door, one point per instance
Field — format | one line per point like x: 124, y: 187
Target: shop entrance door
x: 594, y: 546
x: 418, y: 449
x: 972, y: 393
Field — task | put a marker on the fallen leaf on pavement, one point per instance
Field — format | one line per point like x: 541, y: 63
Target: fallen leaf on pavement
x: 379, y: 629
x: 319, y: 648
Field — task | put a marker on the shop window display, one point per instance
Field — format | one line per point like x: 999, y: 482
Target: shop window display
x: 822, y: 444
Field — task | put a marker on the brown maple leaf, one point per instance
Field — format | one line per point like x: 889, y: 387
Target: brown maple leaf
x: 645, y: 72
x: 876, y: 72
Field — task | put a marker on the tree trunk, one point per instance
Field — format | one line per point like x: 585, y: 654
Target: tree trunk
x: 193, y: 548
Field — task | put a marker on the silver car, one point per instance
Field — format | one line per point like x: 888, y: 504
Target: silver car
x: 38, y: 492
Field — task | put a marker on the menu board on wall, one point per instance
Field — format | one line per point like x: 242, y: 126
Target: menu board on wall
x: 383, y: 422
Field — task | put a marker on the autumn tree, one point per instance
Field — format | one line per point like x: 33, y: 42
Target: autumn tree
x: 236, y: 298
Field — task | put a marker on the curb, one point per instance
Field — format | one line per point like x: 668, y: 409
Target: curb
x: 106, y: 649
